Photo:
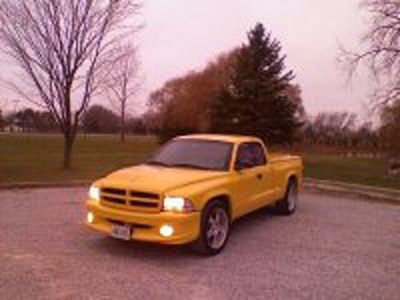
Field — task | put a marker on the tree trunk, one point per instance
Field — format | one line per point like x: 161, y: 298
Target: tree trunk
x: 68, y: 143
x: 122, y: 133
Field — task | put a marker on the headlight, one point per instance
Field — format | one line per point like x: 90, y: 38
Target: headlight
x: 94, y: 193
x: 177, y: 204
x: 90, y: 217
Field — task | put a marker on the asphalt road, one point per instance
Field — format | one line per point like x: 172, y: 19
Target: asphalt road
x: 332, y: 248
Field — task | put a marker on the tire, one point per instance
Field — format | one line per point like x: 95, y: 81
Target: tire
x: 288, y: 204
x: 214, y: 229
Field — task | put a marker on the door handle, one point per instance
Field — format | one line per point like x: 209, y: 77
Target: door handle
x: 259, y: 176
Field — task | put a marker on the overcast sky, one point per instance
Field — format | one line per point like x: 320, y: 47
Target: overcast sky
x: 182, y: 35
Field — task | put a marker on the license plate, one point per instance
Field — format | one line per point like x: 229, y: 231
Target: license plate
x: 122, y: 232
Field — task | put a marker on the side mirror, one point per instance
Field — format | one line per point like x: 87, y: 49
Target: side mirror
x: 243, y: 164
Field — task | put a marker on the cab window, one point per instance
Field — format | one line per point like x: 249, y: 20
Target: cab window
x: 259, y: 154
x: 250, y: 155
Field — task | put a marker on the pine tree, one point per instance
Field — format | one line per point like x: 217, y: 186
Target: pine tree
x: 255, y: 102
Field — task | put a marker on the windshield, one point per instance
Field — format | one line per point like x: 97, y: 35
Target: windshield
x: 196, y: 154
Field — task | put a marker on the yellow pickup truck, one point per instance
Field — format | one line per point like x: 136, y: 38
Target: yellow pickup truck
x: 192, y: 189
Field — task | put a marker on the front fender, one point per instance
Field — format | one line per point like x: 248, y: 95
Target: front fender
x: 200, y: 193
x: 215, y: 193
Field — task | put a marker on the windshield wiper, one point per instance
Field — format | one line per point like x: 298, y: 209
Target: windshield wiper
x: 157, y: 163
x: 187, y: 165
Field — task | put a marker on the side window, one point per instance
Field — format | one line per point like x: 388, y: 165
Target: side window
x: 250, y: 155
x: 259, y: 154
x: 245, y: 159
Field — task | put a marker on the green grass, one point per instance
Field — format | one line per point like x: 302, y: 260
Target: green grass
x: 366, y: 171
x: 38, y: 158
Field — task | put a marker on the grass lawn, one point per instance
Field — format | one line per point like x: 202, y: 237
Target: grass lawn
x: 38, y: 158
x: 367, y: 171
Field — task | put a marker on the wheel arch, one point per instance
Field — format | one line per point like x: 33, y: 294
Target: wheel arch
x: 292, y: 177
x: 225, y: 199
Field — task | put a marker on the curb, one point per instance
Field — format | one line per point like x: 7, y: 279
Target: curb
x: 366, y: 192
x: 42, y: 185
x: 310, y: 184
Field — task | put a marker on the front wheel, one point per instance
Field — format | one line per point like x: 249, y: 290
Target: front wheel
x: 214, y: 230
x: 288, y: 204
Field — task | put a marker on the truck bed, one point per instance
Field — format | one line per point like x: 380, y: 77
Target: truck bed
x: 276, y: 157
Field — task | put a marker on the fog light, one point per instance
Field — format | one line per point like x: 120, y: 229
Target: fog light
x: 90, y: 217
x: 166, y: 230
x: 94, y: 193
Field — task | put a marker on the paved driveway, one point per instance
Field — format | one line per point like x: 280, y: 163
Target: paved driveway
x: 332, y: 248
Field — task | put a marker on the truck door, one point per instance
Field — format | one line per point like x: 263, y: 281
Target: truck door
x: 253, y: 178
x: 267, y: 183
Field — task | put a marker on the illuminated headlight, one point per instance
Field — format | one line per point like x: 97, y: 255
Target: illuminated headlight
x: 94, y: 193
x: 177, y: 204
x: 90, y: 217
x: 166, y: 230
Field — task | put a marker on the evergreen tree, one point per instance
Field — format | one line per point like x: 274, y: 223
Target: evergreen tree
x: 255, y: 102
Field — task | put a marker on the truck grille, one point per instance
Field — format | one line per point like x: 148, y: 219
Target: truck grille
x: 130, y: 199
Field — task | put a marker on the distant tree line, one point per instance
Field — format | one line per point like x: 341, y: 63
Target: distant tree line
x: 341, y: 131
x: 2, y: 122
x: 390, y: 129
x: 97, y: 119
x: 28, y: 120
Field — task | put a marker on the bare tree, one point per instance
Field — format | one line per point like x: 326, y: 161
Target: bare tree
x: 331, y: 128
x: 381, y: 52
x: 60, y: 46
x: 122, y: 81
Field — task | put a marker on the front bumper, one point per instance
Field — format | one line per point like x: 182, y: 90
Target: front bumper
x: 146, y: 226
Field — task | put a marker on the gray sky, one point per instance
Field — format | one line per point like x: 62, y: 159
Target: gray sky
x: 183, y: 35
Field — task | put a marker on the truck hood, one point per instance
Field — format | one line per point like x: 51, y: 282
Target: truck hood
x: 156, y: 179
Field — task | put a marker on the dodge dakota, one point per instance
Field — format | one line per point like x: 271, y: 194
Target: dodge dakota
x: 192, y: 189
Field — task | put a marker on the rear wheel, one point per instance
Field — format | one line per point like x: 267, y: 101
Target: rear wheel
x: 288, y: 204
x: 214, y: 230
